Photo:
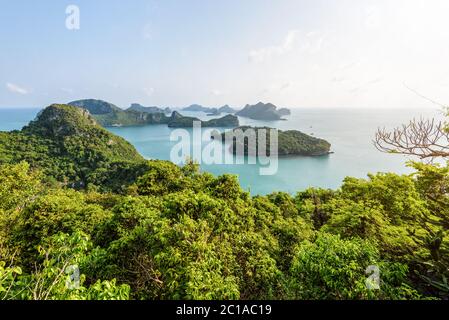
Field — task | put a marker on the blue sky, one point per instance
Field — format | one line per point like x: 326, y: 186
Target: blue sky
x: 294, y: 53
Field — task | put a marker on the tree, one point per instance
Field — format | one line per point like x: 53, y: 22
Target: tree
x: 335, y: 268
x: 432, y: 181
x: 52, y: 279
x: 425, y: 139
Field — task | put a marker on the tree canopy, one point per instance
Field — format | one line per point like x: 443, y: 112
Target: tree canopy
x: 173, y: 232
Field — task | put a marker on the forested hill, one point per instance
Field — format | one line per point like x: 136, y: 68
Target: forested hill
x: 290, y: 142
x: 70, y: 147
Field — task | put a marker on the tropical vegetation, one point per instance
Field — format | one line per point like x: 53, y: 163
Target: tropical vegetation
x: 83, y: 216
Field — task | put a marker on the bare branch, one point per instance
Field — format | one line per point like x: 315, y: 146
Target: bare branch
x: 421, y: 138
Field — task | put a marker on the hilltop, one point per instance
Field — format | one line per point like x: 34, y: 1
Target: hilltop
x: 96, y: 107
x: 70, y: 147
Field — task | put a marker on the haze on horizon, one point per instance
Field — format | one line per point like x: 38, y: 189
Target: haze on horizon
x: 293, y: 53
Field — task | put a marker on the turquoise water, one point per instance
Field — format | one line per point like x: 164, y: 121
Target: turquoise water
x: 350, y: 131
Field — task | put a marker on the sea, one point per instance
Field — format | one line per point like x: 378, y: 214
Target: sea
x: 349, y: 130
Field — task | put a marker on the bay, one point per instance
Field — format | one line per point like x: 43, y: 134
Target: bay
x: 350, y: 131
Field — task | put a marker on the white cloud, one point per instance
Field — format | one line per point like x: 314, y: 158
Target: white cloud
x: 148, y: 91
x: 216, y: 92
x: 261, y: 55
x: 295, y: 40
x: 16, y: 89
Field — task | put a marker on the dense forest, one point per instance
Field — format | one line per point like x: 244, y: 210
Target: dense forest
x: 76, y: 198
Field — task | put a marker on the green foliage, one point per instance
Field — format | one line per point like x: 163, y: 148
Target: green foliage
x: 332, y: 268
x: 181, y: 234
x: 313, y: 205
x: 396, y: 194
x: 18, y: 188
x: 160, y: 179
x: 8, y: 277
x: 432, y: 182
x: 60, y: 256
x: 141, y: 229
x: 69, y: 147
x: 405, y: 216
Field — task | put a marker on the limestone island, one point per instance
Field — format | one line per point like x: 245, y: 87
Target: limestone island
x: 179, y: 121
x: 263, y: 111
x: 109, y: 115
x: 290, y: 142
x: 210, y: 111
x: 139, y: 108
x: 199, y: 108
x: 226, y: 109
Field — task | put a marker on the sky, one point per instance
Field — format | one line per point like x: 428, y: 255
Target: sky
x: 173, y: 53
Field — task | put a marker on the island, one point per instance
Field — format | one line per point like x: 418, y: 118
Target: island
x: 139, y: 108
x: 213, y: 112
x: 109, y: 115
x: 228, y: 120
x: 290, y: 142
x: 226, y: 109
x: 218, y: 111
x: 199, y: 108
x: 210, y: 111
x: 284, y: 112
x: 262, y: 111
x: 68, y: 145
x: 179, y: 121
